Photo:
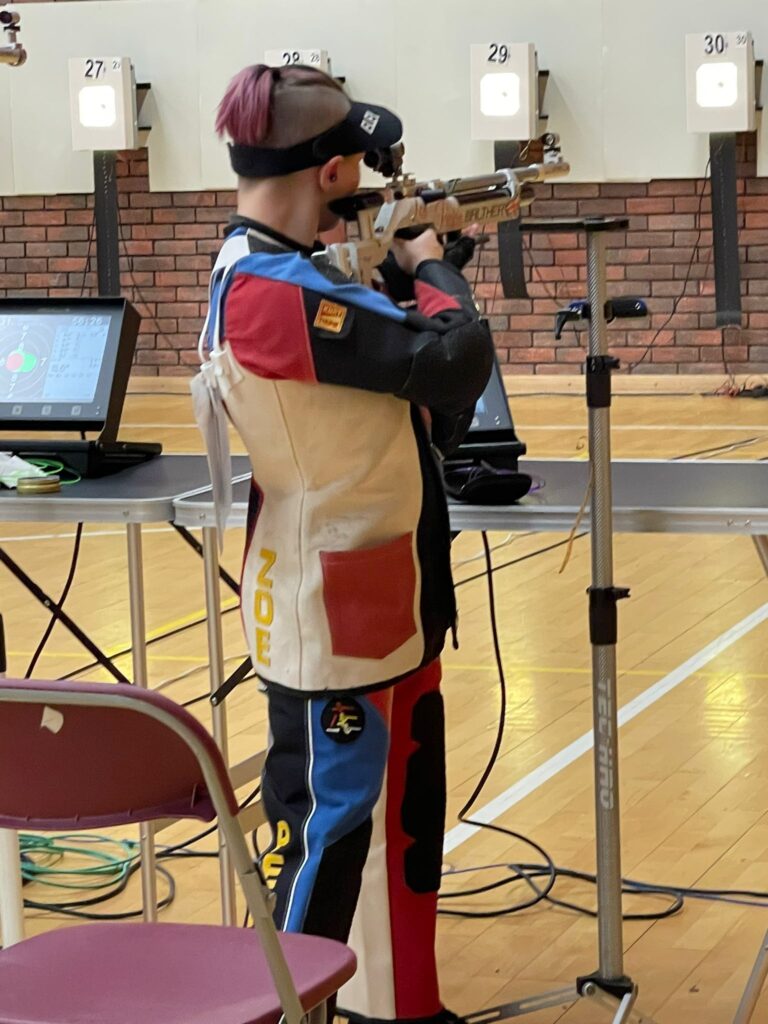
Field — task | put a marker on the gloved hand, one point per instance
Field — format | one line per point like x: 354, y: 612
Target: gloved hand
x: 458, y: 251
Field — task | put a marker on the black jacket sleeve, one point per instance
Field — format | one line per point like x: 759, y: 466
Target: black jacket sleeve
x: 439, y: 356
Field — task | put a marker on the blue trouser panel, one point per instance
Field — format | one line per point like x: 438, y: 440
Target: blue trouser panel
x: 322, y: 778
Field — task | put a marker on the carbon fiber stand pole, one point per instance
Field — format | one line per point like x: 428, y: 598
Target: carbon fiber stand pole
x: 608, y: 988
x: 603, y: 625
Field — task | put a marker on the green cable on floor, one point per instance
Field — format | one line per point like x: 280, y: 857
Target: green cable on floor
x: 41, y: 854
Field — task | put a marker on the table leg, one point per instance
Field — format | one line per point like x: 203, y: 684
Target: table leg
x: 755, y: 986
x: 141, y: 678
x: 216, y: 657
x: 761, y: 543
x: 11, y: 899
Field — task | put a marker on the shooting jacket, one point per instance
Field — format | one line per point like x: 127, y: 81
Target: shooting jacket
x: 344, y: 402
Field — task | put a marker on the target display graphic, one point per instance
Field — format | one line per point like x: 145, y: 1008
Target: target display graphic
x: 51, y: 358
x: 23, y: 362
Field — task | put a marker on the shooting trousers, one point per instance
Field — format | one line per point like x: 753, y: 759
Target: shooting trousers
x: 354, y: 789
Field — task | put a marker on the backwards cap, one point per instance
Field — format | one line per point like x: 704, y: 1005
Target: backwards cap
x: 284, y: 120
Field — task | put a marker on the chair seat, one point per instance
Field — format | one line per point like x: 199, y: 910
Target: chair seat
x: 160, y: 974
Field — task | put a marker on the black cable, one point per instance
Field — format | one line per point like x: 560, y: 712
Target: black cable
x: 87, y: 267
x: 172, y: 850
x: 74, y: 908
x: 694, y: 253
x: 528, y: 872
x: 539, y: 894
x: 79, y: 531
x: 730, y: 446
x: 522, y: 558
x: 60, y: 603
x: 70, y: 908
x: 153, y: 640
x: 196, y: 700
x: 134, y: 284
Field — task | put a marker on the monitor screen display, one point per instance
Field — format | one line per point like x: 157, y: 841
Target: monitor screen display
x: 57, y: 363
x: 492, y: 409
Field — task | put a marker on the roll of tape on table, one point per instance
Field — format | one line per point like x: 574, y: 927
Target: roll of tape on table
x: 38, y: 485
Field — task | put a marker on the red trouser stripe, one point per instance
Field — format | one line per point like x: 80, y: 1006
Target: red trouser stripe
x: 413, y: 916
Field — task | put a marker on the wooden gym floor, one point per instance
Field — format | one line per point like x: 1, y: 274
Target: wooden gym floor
x: 694, y: 762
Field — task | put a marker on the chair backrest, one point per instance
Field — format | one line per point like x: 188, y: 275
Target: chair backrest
x: 84, y: 755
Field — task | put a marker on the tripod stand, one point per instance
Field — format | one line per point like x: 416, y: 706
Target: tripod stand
x: 609, y: 987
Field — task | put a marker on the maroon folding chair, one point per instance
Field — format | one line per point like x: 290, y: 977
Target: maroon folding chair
x: 77, y: 756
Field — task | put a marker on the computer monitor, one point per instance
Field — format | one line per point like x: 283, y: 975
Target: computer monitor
x: 492, y: 428
x: 65, y: 363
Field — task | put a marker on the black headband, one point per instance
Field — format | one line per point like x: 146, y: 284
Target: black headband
x: 364, y: 129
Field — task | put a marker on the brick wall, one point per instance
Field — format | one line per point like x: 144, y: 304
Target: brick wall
x: 45, y: 243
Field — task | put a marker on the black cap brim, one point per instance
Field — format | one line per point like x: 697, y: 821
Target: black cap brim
x: 366, y: 128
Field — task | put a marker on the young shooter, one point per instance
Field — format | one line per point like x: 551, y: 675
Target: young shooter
x: 344, y: 402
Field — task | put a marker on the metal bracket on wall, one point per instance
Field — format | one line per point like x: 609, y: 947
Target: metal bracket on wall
x: 725, y: 229
x: 511, y: 260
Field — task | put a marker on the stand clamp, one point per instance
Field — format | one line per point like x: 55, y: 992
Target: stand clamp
x: 599, y: 370
x: 617, y: 989
x: 603, y: 614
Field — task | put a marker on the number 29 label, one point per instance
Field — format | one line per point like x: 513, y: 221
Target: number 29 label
x: 498, y: 53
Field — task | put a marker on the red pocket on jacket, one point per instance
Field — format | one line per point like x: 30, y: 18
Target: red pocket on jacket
x: 369, y: 596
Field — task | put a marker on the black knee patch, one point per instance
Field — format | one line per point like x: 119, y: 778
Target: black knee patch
x: 423, y: 811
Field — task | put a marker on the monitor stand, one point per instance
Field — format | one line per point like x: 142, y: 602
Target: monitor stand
x: 86, y: 458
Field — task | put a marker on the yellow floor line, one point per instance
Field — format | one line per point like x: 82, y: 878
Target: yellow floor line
x: 167, y: 627
x: 188, y: 659
x: 78, y: 656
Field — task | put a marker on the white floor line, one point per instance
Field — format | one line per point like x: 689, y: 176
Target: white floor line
x: 753, y: 428
x: 539, y: 776
x: 88, y: 533
x: 522, y: 425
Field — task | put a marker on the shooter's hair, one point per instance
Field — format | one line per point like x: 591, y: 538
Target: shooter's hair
x: 280, y: 107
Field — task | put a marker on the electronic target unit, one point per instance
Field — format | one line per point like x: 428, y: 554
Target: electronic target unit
x: 64, y: 368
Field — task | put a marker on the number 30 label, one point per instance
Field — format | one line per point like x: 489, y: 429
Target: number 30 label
x: 715, y: 43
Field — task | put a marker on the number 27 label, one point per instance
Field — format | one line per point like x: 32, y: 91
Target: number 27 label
x: 98, y: 68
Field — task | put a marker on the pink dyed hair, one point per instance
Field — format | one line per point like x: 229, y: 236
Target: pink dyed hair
x: 278, y: 107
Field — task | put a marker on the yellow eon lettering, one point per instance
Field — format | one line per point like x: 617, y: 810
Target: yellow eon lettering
x: 264, y: 607
x: 263, y: 648
x: 268, y: 561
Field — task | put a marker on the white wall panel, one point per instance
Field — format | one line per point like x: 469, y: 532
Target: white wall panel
x: 160, y: 36
x: 645, y: 128
x: 616, y: 93
x: 359, y: 35
x: 6, y: 151
x: 434, y: 75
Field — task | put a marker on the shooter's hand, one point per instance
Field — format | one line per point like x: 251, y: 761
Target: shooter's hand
x: 409, y: 254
